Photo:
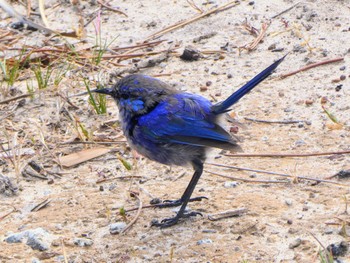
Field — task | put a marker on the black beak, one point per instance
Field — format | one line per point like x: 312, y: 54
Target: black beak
x: 107, y: 91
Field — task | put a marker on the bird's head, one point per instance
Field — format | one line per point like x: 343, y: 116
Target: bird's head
x: 137, y: 93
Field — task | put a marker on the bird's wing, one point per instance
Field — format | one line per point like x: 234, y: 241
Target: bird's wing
x: 184, y: 119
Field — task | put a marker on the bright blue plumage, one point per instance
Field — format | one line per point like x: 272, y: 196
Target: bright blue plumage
x: 188, y: 116
x: 172, y: 127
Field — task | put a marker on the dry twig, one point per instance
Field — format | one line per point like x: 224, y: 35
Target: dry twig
x: 285, y: 11
x: 7, y: 214
x: 279, y: 174
x: 193, y: 19
x: 41, y: 205
x: 15, y: 98
x: 274, y: 121
x: 111, y: 8
x: 257, y: 40
x: 286, y: 154
x: 247, y: 180
x: 137, y: 214
x: 328, y: 61
x: 227, y: 214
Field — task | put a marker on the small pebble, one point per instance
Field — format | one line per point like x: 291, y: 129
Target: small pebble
x: 309, y: 102
x: 271, y: 47
x: 50, y: 180
x: 204, y: 241
x: 342, y: 77
x: 324, y: 100
x: 83, y: 242
x: 328, y: 231
x: 116, y: 228
x: 338, y: 249
x: 234, y: 129
x: 299, y: 143
x: 295, y: 243
x: 289, y: 221
x: 37, y: 239
x: 203, y: 88
x: 292, y: 231
x: 56, y: 243
x: 343, y: 174
x: 288, y: 202
x: 112, y: 187
x: 155, y: 201
x: 265, y: 138
x: 190, y: 54
x: 299, y: 49
x: 208, y: 83
x: 278, y: 49
x: 230, y: 184
x: 342, y: 68
x: 211, y: 231
x: 338, y: 87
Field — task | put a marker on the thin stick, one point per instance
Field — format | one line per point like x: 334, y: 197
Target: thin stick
x: 318, y: 242
x: 258, y: 39
x: 194, y: 6
x: 312, y: 66
x: 137, y: 214
x: 143, y: 207
x: 195, y: 18
x: 64, y: 251
x: 111, y: 8
x: 9, y: 213
x: 227, y: 214
x: 285, y: 11
x: 286, y: 154
x: 96, y: 142
x: 117, y: 178
x: 279, y: 174
x: 247, y: 180
x: 142, y: 45
x: 275, y: 121
x: 130, y: 55
x: 42, y: 13
x: 15, y: 98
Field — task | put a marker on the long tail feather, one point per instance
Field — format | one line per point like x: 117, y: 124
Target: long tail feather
x: 224, y: 105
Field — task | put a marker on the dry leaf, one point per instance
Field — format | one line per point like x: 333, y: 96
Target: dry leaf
x: 82, y: 156
x: 334, y: 126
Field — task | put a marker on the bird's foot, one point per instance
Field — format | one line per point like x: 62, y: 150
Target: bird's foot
x: 172, y: 203
x: 167, y: 222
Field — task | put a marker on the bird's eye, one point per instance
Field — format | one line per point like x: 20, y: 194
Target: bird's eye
x: 124, y: 96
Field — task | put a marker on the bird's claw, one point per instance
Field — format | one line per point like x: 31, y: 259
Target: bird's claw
x: 167, y: 222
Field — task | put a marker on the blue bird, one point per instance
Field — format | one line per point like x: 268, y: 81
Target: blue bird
x: 173, y: 127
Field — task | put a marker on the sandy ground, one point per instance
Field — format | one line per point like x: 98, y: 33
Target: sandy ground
x: 284, y: 222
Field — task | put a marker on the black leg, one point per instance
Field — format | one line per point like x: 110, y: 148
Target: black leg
x: 198, y: 167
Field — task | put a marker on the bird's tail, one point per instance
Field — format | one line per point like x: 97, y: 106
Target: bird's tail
x: 223, y: 106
